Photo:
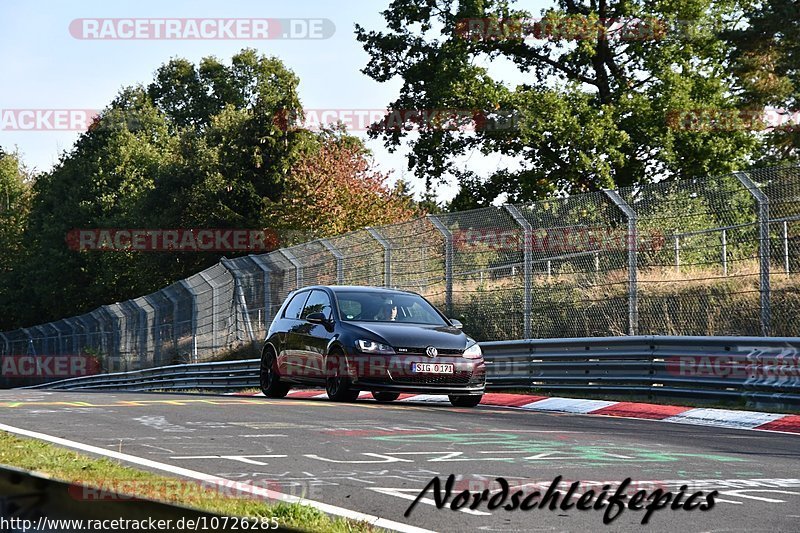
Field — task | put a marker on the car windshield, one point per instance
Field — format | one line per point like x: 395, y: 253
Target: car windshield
x: 387, y: 307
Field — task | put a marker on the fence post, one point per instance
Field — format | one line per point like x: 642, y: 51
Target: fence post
x: 763, y: 248
x: 214, y: 307
x: 298, y: 267
x: 724, y: 252
x: 387, y: 256
x: 174, y: 301
x: 448, y: 261
x: 189, y: 289
x: 74, y: 328
x: 677, y: 253
x: 143, y: 336
x: 87, y: 341
x: 339, y: 260
x: 633, y: 292
x: 786, y: 246
x: 239, y: 292
x: 60, y: 348
x: 266, y: 270
x: 528, y: 259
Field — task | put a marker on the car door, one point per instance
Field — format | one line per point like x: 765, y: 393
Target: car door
x: 313, y: 338
x: 290, y: 363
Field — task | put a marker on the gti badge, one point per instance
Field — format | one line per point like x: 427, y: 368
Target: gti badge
x: 431, y: 351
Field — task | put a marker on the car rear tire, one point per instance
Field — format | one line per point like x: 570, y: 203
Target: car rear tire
x: 385, y: 397
x: 337, y: 385
x: 270, y: 380
x: 465, y: 401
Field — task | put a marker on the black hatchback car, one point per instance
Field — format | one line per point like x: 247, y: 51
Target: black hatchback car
x: 353, y: 339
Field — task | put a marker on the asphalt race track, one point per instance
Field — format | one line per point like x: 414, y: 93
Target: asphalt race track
x: 375, y: 458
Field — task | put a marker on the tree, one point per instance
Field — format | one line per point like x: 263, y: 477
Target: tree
x: 14, y: 209
x: 334, y: 189
x: 765, y: 56
x: 590, y: 103
x: 200, y: 147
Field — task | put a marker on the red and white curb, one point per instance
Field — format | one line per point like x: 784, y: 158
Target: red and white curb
x: 725, y: 418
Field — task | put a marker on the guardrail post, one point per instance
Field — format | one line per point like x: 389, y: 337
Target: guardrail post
x: 633, y: 296
x: 763, y: 248
x: 338, y: 256
x: 387, y: 256
x: 528, y: 259
x: 298, y: 267
x: 266, y: 271
x: 448, y: 261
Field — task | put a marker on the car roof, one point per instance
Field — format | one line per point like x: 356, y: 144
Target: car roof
x: 357, y: 288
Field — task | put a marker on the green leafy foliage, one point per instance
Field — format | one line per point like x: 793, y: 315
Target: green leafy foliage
x: 580, y: 105
x: 202, y: 146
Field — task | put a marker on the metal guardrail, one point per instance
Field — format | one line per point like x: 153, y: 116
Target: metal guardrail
x: 226, y: 375
x: 755, y: 369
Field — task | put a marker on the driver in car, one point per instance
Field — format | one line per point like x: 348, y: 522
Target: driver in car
x: 387, y: 313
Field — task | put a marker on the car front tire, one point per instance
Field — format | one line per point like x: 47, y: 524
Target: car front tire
x: 465, y: 401
x: 337, y: 385
x: 270, y: 381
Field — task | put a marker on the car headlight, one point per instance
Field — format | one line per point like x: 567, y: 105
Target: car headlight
x: 473, y: 352
x: 367, y: 346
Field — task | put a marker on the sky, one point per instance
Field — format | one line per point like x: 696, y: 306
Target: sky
x: 45, y: 67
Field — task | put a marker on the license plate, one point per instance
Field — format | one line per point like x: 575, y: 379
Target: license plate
x: 432, y: 368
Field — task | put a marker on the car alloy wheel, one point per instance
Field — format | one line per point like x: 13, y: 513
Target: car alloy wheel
x: 337, y: 385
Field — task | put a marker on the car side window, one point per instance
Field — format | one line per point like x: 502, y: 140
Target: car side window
x: 350, y: 309
x: 318, y: 302
x: 296, y: 305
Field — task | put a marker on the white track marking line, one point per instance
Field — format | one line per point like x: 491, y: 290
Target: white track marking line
x: 401, y: 493
x: 227, y: 483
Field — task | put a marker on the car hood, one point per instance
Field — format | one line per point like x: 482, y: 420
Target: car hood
x: 414, y: 335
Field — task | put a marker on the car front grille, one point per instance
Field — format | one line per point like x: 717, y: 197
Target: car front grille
x: 457, y: 378
x: 404, y: 350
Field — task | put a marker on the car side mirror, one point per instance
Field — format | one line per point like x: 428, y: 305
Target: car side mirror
x: 456, y: 323
x: 317, y: 318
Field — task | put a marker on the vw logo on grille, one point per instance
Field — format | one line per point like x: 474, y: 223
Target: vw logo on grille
x: 431, y: 351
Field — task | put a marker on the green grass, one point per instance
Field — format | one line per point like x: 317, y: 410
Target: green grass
x: 65, y: 465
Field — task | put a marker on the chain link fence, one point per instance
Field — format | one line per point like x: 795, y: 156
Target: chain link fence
x: 718, y: 256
